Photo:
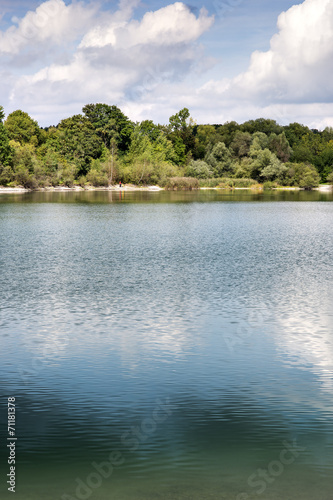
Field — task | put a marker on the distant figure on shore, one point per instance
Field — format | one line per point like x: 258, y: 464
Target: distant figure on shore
x: 120, y: 184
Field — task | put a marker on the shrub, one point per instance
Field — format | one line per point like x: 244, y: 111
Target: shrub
x: 181, y: 183
x: 6, y: 174
x: 330, y: 177
x: 199, y: 169
x: 268, y: 185
x: 303, y: 175
x: 227, y: 183
x: 97, y: 178
x: 24, y: 178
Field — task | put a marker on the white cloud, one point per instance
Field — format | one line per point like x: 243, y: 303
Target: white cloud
x: 296, y: 68
x: 119, y: 59
x: 152, y: 67
x: 167, y: 26
x: 52, y: 23
x: 289, y: 82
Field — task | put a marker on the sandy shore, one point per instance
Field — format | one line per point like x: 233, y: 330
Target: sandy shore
x: 57, y: 189
x: 130, y: 187
x: 325, y: 188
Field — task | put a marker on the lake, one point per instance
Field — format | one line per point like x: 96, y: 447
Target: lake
x: 168, y: 345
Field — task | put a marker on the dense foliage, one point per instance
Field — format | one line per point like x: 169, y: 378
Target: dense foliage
x: 102, y: 147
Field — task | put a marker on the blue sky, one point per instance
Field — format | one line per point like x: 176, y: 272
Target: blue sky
x: 223, y: 59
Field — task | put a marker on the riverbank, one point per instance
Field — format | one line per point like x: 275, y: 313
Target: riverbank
x: 131, y: 187
x: 57, y: 189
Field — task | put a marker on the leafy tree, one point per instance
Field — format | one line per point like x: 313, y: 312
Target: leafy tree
x: 243, y: 168
x: 324, y: 160
x: 308, y: 148
x: 151, y: 130
x: 279, y: 145
x: 264, y: 125
x: 110, y: 124
x: 205, y: 134
x: 77, y: 141
x: 274, y: 169
x: 264, y: 164
x: 180, y: 120
x: 226, y: 132
x: 220, y: 160
x: 22, y: 128
x: 303, y: 175
x: 198, y: 169
x: 260, y: 140
x: 294, y: 133
x: 100, y: 173
x: 240, y: 146
x: 149, y: 161
x: 6, y: 153
x: 181, y: 134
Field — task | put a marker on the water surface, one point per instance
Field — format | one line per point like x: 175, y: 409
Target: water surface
x: 188, y: 333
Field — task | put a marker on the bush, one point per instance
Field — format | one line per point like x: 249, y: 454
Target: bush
x: 6, y: 175
x: 303, y: 175
x: 97, y: 178
x: 82, y: 181
x: 330, y: 177
x: 24, y: 178
x: 182, y: 183
x: 268, y: 185
x: 199, y: 169
x: 210, y: 183
x: 227, y: 183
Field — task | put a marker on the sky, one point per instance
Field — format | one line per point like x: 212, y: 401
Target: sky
x: 222, y: 59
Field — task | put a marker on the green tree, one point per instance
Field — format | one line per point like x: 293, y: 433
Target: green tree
x: 265, y: 165
x: 308, y: 148
x: 181, y: 133
x: 260, y: 140
x: 324, y: 161
x: 294, y: 133
x: 264, y: 125
x: 151, y: 130
x: 180, y: 120
x: 226, y: 132
x: 240, y: 146
x: 77, y: 141
x: 279, y: 145
x: 219, y: 159
x: 22, y: 128
x: 303, y: 175
x: 110, y: 124
x: 149, y: 161
x: 6, y: 153
x: 198, y: 169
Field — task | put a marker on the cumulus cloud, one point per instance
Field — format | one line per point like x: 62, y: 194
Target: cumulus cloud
x: 53, y: 22
x: 295, y: 69
x: 120, y: 58
x: 151, y: 67
x: 169, y: 25
x: 289, y: 82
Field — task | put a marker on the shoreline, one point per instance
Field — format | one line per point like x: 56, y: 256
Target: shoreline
x: 130, y: 187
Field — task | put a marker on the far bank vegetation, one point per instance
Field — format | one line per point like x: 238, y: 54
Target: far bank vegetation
x: 102, y: 147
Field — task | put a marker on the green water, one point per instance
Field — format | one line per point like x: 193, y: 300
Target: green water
x: 185, y: 337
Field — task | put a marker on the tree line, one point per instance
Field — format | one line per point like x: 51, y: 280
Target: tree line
x: 102, y: 146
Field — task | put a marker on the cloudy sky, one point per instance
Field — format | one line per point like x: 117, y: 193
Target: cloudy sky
x: 223, y: 59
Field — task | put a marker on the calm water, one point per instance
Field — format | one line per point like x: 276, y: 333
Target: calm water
x: 187, y: 337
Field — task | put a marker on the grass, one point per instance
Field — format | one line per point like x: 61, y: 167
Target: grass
x: 229, y: 183
x: 182, y: 184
